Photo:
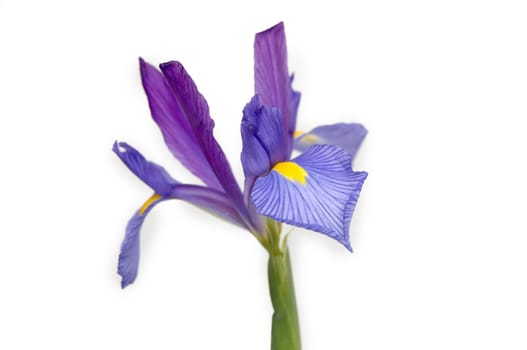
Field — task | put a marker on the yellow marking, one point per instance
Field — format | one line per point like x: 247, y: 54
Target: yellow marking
x: 307, y: 138
x: 291, y: 171
x: 149, y: 202
x: 311, y: 139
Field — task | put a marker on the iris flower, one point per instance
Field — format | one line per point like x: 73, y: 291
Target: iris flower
x: 317, y: 189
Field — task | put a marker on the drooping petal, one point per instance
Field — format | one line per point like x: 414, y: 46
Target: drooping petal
x: 272, y: 81
x: 163, y: 184
x: 346, y: 135
x: 208, y: 199
x: 263, y: 138
x: 152, y: 174
x: 196, y: 111
x: 129, y: 256
x: 317, y: 190
x: 171, y: 114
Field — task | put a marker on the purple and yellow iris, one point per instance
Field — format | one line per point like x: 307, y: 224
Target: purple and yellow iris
x: 317, y: 190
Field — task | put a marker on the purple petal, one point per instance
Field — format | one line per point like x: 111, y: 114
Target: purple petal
x: 263, y: 138
x: 152, y: 174
x: 295, y: 102
x: 347, y: 136
x: 272, y: 81
x: 205, y: 198
x: 255, y: 160
x: 320, y: 196
x: 129, y: 256
x: 196, y: 111
x: 170, y: 112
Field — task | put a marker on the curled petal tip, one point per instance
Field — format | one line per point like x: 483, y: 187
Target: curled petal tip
x: 150, y: 173
x: 168, y: 64
x: 121, y: 147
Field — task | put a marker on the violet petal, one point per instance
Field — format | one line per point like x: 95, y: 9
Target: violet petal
x: 320, y: 193
x: 348, y: 136
x: 263, y: 138
x: 272, y: 81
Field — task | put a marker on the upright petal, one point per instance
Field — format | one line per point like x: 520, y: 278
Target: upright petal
x: 317, y: 190
x: 263, y: 138
x: 295, y: 103
x: 272, y: 81
x: 152, y: 174
x: 170, y: 113
x: 348, y: 136
x: 196, y: 111
x: 255, y: 160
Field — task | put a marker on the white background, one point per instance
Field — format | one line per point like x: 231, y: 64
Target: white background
x: 439, y: 232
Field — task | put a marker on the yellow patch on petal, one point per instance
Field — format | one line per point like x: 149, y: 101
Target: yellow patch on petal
x: 291, y: 171
x: 297, y: 134
x: 310, y: 139
x: 149, y: 202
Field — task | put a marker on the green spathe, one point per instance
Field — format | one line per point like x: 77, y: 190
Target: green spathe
x: 285, y: 334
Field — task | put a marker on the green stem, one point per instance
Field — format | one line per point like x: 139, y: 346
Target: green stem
x: 285, y: 331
